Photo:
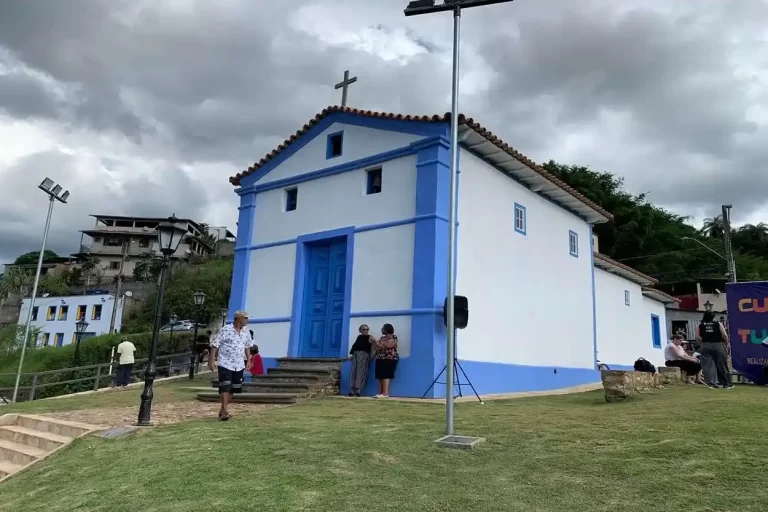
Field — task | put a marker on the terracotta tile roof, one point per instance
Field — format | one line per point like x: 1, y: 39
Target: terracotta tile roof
x: 445, y: 118
x: 661, y: 293
x: 606, y: 259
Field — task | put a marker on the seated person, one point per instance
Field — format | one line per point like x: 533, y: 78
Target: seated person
x: 676, y: 357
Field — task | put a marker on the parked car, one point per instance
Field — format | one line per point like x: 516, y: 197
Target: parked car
x: 183, y: 326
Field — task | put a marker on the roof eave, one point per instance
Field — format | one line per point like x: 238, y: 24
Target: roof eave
x: 619, y: 269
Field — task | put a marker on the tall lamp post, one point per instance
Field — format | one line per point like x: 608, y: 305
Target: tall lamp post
x: 80, y: 328
x: 415, y: 8
x: 55, y: 193
x: 169, y: 235
x: 199, y: 298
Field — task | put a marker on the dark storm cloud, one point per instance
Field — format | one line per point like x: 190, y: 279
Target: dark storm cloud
x: 24, y: 96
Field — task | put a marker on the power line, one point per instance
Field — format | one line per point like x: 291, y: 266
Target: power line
x: 657, y: 254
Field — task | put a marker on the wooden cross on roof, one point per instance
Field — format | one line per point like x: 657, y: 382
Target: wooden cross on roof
x: 344, y: 85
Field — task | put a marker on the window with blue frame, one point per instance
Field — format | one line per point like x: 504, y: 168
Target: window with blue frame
x: 656, y: 331
x: 373, y: 181
x: 291, y: 199
x: 334, y: 145
x: 626, y: 297
x: 520, y: 218
x: 573, y: 243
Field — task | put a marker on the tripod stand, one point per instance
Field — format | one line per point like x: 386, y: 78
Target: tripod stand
x: 458, y: 384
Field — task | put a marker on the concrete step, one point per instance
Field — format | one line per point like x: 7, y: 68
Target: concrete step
x: 19, y: 453
x: 301, y: 379
x: 330, y: 363
x: 297, y: 388
x: 53, y: 426
x: 30, y: 437
x: 253, y: 398
x: 319, y: 372
x: 8, y: 468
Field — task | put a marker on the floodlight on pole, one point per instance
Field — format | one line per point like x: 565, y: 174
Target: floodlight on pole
x: 54, y: 194
x: 415, y: 8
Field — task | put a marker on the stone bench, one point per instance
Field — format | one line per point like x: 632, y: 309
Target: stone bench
x: 620, y: 385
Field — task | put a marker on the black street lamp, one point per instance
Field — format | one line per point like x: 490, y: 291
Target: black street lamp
x: 80, y: 328
x: 199, y: 298
x: 169, y: 236
x: 173, y: 319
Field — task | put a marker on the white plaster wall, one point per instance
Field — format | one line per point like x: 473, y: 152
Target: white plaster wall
x: 530, y: 301
x: 270, y: 282
x: 382, y: 277
x: 272, y: 339
x: 67, y: 327
x: 337, y: 201
x: 402, y: 325
x: 624, y: 332
x: 359, y: 142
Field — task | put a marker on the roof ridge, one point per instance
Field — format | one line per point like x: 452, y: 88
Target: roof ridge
x: 435, y: 118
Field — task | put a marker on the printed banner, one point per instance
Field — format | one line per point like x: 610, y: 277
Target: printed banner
x: 748, y: 328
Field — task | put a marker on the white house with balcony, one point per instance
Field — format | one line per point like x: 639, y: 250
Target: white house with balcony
x: 346, y: 223
x: 55, y: 317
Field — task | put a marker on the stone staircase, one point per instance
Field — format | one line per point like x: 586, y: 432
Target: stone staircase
x: 26, y: 439
x: 292, y: 380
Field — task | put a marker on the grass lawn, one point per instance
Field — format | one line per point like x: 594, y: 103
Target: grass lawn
x: 677, y: 449
x: 165, y: 391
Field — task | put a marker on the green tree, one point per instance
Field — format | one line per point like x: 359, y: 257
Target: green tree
x: 55, y: 286
x: 30, y: 258
x: 15, y: 280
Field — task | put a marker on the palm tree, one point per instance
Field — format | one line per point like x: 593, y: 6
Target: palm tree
x: 713, y: 227
x: 14, y: 280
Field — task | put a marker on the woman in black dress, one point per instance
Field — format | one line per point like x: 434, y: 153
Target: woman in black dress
x: 386, y: 359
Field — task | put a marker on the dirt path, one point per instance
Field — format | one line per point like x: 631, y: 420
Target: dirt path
x: 162, y: 414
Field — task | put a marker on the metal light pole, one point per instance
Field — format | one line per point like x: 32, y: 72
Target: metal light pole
x: 416, y: 8
x: 80, y: 327
x: 727, y: 239
x: 54, y: 194
x: 199, y: 298
x: 169, y: 236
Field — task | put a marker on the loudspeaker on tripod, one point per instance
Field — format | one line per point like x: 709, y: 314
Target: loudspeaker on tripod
x: 460, y: 312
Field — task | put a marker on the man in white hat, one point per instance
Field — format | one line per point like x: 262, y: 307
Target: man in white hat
x: 230, y: 348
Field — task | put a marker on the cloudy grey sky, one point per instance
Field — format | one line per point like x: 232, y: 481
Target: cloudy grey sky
x: 147, y: 107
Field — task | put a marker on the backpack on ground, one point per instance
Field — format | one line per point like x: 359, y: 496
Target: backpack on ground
x: 642, y: 365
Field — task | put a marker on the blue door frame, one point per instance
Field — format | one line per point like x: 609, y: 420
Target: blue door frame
x: 306, y: 249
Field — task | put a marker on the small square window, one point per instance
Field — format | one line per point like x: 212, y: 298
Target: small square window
x: 34, y: 313
x: 373, y: 181
x: 291, y: 199
x: 96, y: 313
x: 58, y: 340
x: 335, y: 145
x: 626, y: 297
x: 520, y: 218
x: 114, y: 265
x: 46, y: 337
x: 573, y: 244
x: 144, y: 242
x: 81, y: 312
x: 63, y: 312
x: 51, y: 313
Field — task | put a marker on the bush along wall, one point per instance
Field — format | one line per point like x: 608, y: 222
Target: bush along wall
x: 93, y: 350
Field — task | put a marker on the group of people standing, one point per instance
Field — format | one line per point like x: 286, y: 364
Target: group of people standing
x: 383, y: 351
x: 711, y: 366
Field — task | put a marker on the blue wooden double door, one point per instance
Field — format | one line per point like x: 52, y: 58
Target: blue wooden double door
x: 323, y: 308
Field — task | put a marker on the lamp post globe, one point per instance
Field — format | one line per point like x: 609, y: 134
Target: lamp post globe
x: 199, y: 298
x: 169, y: 236
x: 80, y: 327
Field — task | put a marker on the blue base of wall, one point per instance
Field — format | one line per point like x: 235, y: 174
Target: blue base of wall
x: 487, y: 378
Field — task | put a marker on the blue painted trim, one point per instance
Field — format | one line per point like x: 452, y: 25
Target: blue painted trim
x: 275, y: 320
x: 299, y: 283
x: 573, y: 235
x: 241, y: 265
x: 424, y: 129
x: 354, y: 165
x: 397, y: 312
x: 358, y: 229
x: 656, y: 342
x: 519, y: 207
x: 594, y: 293
x: 430, y: 270
x: 329, y: 145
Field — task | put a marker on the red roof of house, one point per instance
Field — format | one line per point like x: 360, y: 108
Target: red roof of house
x: 445, y: 118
